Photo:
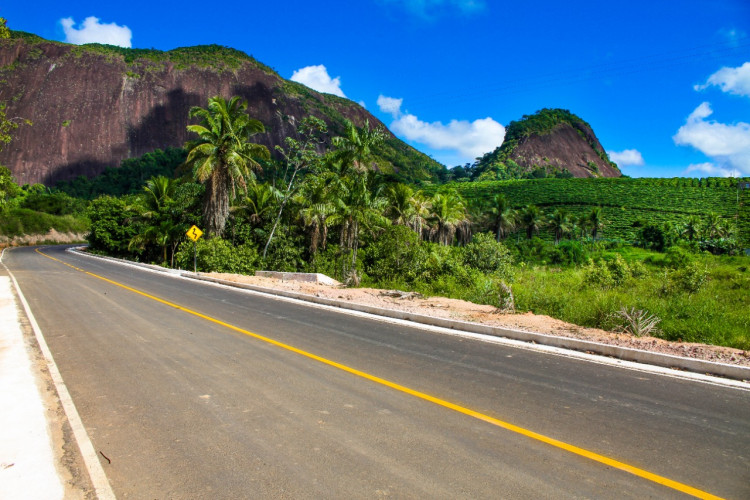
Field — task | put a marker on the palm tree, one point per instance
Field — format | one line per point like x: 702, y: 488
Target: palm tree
x: 356, y: 208
x: 223, y: 157
x: 354, y: 148
x: 712, y: 226
x: 692, y: 227
x: 560, y: 223
x: 315, y: 199
x: 531, y: 218
x: 400, y: 204
x: 259, y: 202
x: 503, y: 216
x: 159, y: 190
x: 595, y: 221
x: 448, y: 216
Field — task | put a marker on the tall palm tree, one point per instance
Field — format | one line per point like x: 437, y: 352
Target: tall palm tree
x: 531, y: 218
x: 503, y: 216
x: 355, y: 147
x: 315, y: 199
x: 560, y: 223
x: 447, y: 216
x: 223, y: 157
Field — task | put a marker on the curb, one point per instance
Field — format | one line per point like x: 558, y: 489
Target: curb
x: 624, y: 353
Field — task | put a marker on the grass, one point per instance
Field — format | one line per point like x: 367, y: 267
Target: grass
x: 717, y: 313
x: 21, y: 221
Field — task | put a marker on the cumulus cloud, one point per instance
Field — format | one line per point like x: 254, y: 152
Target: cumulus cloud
x: 390, y: 105
x: 92, y: 31
x: 431, y: 8
x: 712, y: 170
x: 467, y: 140
x: 727, y: 145
x: 317, y: 78
x: 731, y: 80
x: 627, y: 157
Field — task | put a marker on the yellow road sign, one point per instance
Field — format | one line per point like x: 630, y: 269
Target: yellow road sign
x: 194, y: 233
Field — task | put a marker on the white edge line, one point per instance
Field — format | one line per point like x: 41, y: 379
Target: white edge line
x: 94, y: 467
x: 492, y: 339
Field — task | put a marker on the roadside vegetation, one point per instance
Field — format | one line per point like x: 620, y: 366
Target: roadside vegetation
x: 593, y: 252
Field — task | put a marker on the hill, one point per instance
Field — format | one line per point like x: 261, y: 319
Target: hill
x: 93, y: 106
x: 549, y: 143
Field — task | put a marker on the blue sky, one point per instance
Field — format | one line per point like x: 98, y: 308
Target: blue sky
x: 665, y: 84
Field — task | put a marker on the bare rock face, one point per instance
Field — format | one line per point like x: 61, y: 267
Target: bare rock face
x: 567, y: 146
x: 93, y: 108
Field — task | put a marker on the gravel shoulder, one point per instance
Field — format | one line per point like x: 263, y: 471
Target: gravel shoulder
x: 488, y: 315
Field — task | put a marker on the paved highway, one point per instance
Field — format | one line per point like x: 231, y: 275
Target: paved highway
x: 238, y: 395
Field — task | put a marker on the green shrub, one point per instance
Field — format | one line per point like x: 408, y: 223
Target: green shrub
x: 397, y: 254
x: 485, y: 254
x: 217, y: 255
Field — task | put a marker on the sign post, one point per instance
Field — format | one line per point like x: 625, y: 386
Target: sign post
x: 194, y: 234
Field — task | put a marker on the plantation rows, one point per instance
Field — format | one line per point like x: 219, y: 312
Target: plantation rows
x: 624, y: 201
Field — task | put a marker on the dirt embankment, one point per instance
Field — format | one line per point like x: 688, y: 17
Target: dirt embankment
x: 488, y: 315
x: 51, y: 237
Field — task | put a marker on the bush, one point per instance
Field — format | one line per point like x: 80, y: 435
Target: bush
x: 217, y: 255
x: 397, y: 254
x: 112, y: 225
x: 485, y: 254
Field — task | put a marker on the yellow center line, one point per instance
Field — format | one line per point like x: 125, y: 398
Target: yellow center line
x: 432, y: 399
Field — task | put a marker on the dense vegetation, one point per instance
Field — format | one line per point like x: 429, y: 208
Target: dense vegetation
x: 597, y: 252
x: 627, y: 204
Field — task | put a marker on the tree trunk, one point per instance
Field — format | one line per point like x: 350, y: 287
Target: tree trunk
x: 216, y: 202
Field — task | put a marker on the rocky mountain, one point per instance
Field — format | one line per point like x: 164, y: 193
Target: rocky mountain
x: 93, y: 105
x: 551, y: 142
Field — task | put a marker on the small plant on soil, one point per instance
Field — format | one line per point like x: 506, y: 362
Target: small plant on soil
x: 637, y: 322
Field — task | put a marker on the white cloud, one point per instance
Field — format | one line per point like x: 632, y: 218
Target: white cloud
x: 727, y: 145
x: 469, y: 139
x: 712, y: 170
x: 390, y: 105
x: 317, y: 78
x: 627, y: 157
x: 731, y: 80
x: 92, y: 31
x: 430, y: 8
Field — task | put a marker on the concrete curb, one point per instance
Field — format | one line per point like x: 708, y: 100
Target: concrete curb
x: 624, y: 353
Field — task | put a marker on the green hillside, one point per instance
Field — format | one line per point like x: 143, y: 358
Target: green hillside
x: 624, y: 201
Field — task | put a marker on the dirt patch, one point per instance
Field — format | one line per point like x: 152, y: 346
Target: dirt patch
x: 51, y: 237
x: 488, y: 315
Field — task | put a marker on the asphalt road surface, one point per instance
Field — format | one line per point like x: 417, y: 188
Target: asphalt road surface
x: 191, y: 403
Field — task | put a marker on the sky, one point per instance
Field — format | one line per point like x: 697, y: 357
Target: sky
x: 664, y: 84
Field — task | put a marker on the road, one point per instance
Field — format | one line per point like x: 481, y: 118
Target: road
x: 238, y: 395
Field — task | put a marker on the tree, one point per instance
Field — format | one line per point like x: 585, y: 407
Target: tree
x: 447, y: 217
x: 8, y: 188
x: 159, y: 191
x: 223, y: 157
x: 298, y: 157
x: 400, y: 204
x: 560, y: 224
x: 531, y: 219
x: 691, y: 228
x: 503, y: 216
x: 354, y: 148
x: 355, y: 208
x: 4, y: 31
x: 595, y: 221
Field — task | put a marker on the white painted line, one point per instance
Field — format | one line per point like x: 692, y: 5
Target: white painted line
x: 27, y: 460
x: 91, y: 460
x: 520, y: 344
